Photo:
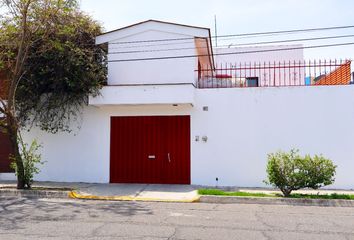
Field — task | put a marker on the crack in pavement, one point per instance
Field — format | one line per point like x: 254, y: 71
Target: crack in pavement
x: 141, y: 190
x: 173, y: 234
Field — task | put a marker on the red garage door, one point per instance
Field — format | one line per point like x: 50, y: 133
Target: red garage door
x: 5, y: 151
x: 153, y: 149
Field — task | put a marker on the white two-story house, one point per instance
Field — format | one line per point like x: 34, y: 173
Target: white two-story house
x: 169, y: 115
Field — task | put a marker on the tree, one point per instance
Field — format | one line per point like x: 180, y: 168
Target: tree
x: 52, y: 65
x: 290, y: 171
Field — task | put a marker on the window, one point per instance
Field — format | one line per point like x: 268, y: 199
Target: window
x: 252, y: 82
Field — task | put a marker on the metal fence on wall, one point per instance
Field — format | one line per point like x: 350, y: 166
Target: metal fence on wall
x: 275, y: 74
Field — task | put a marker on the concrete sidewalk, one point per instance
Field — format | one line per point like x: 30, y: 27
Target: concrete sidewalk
x: 133, y: 192
x: 138, y: 192
x: 149, y: 192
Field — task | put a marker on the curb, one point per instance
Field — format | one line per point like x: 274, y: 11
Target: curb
x: 277, y: 201
x: 75, y: 195
x: 201, y: 199
x: 34, y: 193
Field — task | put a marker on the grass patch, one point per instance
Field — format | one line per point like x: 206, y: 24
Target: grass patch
x: 218, y: 192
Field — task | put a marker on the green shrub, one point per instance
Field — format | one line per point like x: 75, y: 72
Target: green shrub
x: 290, y: 171
x: 31, y: 158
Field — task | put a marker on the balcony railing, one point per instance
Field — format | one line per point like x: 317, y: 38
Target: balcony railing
x: 276, y: 74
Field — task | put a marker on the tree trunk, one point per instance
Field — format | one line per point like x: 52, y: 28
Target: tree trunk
x: 12, y: 129
x: 286, y: 192
x: 20, y: 10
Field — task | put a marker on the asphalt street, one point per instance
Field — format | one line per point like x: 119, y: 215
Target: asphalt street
x: 22, y: 218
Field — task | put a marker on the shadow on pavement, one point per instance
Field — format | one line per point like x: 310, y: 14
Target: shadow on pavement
x: 15, y: 211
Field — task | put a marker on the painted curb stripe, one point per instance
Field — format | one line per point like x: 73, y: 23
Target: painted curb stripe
x: 76, y: 195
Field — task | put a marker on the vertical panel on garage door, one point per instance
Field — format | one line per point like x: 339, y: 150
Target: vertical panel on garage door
x: 177, y: 150
x: 5, y: 151
x: 136, y: 150
x: 150, y: 149
x: 122, y: 138
x: 151, y: 146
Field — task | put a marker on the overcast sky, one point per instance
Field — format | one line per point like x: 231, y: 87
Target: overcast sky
x: 234, y: 17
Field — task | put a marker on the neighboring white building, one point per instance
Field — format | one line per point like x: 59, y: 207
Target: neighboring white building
x: 267, y: 65
x: 154, y: 124
x: 259, y: 54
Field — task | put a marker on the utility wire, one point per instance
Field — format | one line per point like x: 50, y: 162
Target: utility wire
x: 239, y: 35
x: 239, y: 44
x: 188, y: 42
x: 160, y: 44
x: 231, y: 53
x: 151, y: 45
x: 221, y: 36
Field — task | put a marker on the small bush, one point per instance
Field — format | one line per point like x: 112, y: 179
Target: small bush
x: 31, y: 158
x: 290, y: 171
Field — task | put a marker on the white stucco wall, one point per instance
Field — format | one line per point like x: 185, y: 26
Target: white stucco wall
x: 83, y: 155
x: 151, y: 71
x: 242, y: 126
x: 145, y: 94
x: 153, y: 39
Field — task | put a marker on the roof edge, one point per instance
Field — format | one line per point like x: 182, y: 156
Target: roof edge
x: 153, y: 20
